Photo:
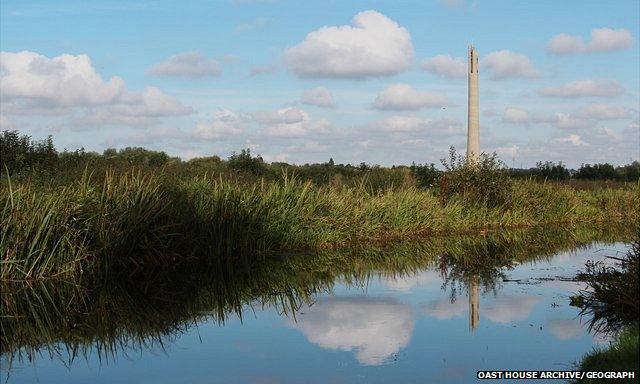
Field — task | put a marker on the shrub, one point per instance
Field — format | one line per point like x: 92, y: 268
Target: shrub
x: 244, y: 162
x: 427, y: 176
x: 485, y: 182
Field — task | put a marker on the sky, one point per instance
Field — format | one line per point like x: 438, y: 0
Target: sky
x: 381, y: 82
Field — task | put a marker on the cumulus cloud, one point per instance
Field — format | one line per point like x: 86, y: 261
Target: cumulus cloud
x: 398, y: 97
x: 65, y: 80
x: 319, y: 96
x: 505, y: 64
x: 373, y: 46
x: 573, y: 139
x: 584, y: 88
x: 188, y: 64
x: 415, y: 124
x: 224, y: 123
x: 375, y: 329
x: 134, y: 108
x: 602, y: 40
x: 290, y: 122
x: 586, y: 117
x: 510, y: 151
x: 516, y: 116
x: 32, y: 84
x: 605, y: 112
x: 446, y: 66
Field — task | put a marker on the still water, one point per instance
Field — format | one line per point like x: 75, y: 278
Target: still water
x: 429, y: 323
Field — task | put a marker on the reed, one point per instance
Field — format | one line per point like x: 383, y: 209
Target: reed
x: 132, y: 222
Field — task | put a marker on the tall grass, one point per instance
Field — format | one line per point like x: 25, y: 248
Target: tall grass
x: 135, y: 221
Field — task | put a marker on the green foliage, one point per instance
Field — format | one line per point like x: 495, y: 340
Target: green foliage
x: 621, y: 356
x: 20, y: 154
x: 427, y: 176
x: 613, y: 297
x: 244, y: 162
x: 597, y: 172
x: 552, y: 171
x: 485, y: 182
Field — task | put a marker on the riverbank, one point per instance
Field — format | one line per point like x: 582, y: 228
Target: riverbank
x: 133, y: 222
x: 612, y: 303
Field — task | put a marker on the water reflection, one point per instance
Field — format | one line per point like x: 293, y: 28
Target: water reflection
x: 375, y: 328
x: 70, y: 321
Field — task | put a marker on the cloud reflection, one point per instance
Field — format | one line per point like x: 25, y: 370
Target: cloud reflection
x: 565, y: 329
x: 506, y: 309
x: 408, y: 282
x: 374, y: 328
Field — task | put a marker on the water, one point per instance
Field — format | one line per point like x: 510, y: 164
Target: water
x: 435, y: 322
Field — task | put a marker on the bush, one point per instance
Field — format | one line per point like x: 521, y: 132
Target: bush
x: 21, y: 154
x: 614, y: 291
x: 551, y: 171
x: 427, y: 176
x: 244, y: 162
x: 485, y: 182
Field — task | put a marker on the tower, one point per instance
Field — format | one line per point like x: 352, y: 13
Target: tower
x: 474, y: 304
x: 473, y: 127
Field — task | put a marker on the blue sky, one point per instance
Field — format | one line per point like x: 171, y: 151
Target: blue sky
x: 381, y: 82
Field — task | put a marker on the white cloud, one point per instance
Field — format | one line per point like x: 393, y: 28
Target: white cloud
x: 584, y: 88
x: 68, y: 85
x: 570, y: 121
x: 188, y: 64
x: 224, y: 123
x: 374, y: 46
x: 510, y: 151
x: 605, y: 112
x: 573, y: 139
x: 287, y: 115
x: 446, y: 66
x: 375, y: 329
x: 602, y: 40
x: 505, y: 64
x: 399, y: 97
x: 64, y: 80
x: 564, y: 44
x: 415, y: 124
x: 290, y: 122
x: 516, y: 115
x: 133, y: 108
x: 319, y: 96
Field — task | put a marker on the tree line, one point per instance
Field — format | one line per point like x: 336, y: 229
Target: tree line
x: 21, y: 155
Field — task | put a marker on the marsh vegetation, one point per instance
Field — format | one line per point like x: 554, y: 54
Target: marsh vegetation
x: 123, y: 213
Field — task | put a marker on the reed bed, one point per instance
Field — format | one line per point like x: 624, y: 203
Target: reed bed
x: 136, y: 221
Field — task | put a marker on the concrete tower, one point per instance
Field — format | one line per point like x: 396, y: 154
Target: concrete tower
x: 473, y: 128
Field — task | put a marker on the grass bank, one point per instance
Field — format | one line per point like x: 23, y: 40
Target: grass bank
x: 621, y: 356
x: 133, y: 221
x: 612, y: 303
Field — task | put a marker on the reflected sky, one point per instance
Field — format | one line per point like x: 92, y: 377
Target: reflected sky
x: 394, y: 328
